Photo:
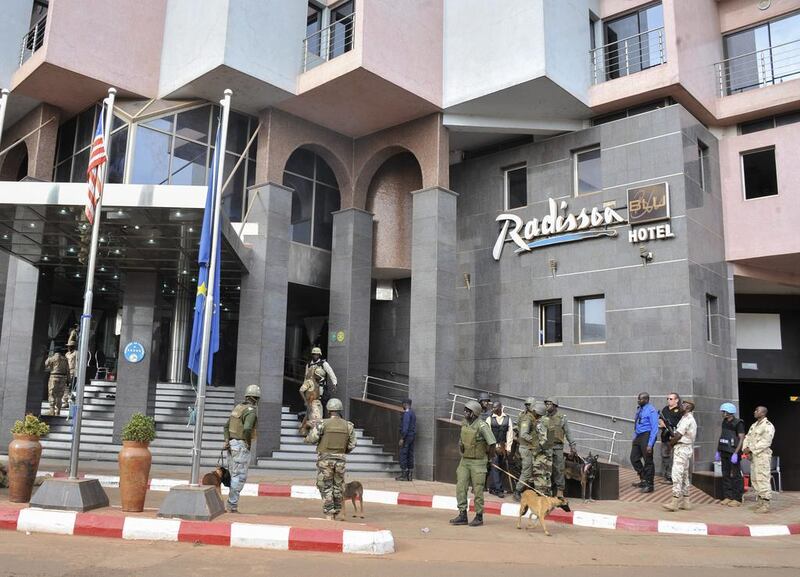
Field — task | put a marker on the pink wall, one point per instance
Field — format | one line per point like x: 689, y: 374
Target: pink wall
x: 734, y: 14
x: 764, y: 226
x: 699, y: 48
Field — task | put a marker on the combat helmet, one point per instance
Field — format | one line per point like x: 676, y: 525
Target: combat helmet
x: 530, y: 401
x: 484, y: 397
x: 316, y: 351
x: 473, y: 406
x: 334, y: 405
x: 540, y: 409
x: 553, y: 400
x: 253, y: 391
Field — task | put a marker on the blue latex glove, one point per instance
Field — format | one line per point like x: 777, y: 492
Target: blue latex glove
x: 734, y: 458
x: 716, y: 456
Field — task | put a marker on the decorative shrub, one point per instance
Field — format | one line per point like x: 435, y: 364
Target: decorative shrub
x: 31, y: 426
x: 140, y: 428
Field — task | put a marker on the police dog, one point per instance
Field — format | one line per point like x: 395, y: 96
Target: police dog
x: 583, y: 470
x: 355, y: 492
x: 533, y: 503
x: 214, y: 479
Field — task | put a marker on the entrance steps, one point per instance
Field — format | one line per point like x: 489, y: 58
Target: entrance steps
x: 173, y: 442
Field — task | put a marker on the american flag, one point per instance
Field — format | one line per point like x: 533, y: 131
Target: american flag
x: 96, y: 171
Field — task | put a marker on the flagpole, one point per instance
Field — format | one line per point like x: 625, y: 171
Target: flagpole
x: 3, y: 102
x: 86, y: 317
x: 208, y: 311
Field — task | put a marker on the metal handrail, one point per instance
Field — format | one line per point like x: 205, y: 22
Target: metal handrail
x: 33, y: 39
x: 758, y: 68
x: 624, y: 56
x: 372, y: 382
x: 325, y: 44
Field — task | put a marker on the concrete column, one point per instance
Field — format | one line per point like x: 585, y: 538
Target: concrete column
x: 262, y: 310
x: 18, y: 393
x: 179, y: 332
x: 136, y: 382
x: 433, y: 313
x: 351, y: 283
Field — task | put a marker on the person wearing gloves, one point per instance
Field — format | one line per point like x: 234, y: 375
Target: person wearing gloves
x: 729, y: 452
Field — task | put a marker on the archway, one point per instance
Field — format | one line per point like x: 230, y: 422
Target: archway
x: 15, y: 164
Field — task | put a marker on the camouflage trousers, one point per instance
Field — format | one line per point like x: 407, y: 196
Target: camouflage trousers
x: 330, y: 482
x: 760, y: 474
x: 536, y: 469
x: 55, y: 393
x: 681, y: 466
x: 314, y: 411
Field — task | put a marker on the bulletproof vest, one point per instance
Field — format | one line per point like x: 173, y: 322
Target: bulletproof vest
x: 555, y: 429
x: 236, y: 420
x: 500, y: 430
x: 728, y: 439
x: 59, y: 366
x: 527, y: 420
x: 474, y: 443
x: 335, y: 436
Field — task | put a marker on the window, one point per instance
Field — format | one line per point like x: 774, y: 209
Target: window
x: 769, y: 122
x: 516, y: 187
x: 341, y: 29
x: 634, y: 42
x: 762, y: 55
x: 588, y: 171
x: 712, y: 319
x: 702, y: 162
x: 591, y: 319
x: 760, y: 177
x: 315, y: 198
x: 313, y: 26
x: 550, y: 323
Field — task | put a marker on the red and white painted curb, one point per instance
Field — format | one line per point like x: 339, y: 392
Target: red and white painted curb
x: 448, y: 503
x: 250, y: 535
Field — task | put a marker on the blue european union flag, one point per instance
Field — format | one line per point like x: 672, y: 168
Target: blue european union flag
x: 204, y: 260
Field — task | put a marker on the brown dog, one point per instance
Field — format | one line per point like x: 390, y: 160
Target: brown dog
x: 539, y: 505
x: 214, y: 479
x: 355, y: 492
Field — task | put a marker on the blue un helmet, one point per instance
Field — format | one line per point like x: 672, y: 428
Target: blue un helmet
x: 728, y: 408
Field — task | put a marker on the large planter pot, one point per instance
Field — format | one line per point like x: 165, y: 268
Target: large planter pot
x: 24, y: 453
x: 134, y: 474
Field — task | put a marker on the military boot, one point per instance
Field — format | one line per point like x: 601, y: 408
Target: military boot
x: 685, y: 504
x: 756, y: 505
x: 673, y: 505
x: 460, y: 520
x: 517, y: 495
x: 477, y: 521
x: 410, y: 475
x: 560, y: 493
x: 764, y: 508
x: 403, y: 476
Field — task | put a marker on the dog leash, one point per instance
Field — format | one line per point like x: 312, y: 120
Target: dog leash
x: 499, y: 468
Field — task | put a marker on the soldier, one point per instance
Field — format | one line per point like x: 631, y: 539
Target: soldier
x: 682, y: 443
x: 557, y: 433
x: 328, y: 382
x: 757, y: 445
x: 72, y: 361
x: 239, y: 432
x: 310, y: 392
x: 476, y: 446
x: 59, y: 369
x: 486, y: 406
x: 334, y: 438
x: 532, y: 439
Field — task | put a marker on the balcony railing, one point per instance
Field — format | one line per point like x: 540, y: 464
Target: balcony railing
x: 329, y: 42
x: 760, y: 68
x: 628, y: 55
x: 33, y: 40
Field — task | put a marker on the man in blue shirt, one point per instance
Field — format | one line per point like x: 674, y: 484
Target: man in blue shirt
x: 645, y: 435
x: 408, y: 429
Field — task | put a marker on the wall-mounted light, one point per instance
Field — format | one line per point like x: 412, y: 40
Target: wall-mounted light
x: 553, y: 267
x: 645, y: 255
x: 467, y: 279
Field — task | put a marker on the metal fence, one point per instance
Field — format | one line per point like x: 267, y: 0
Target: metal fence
x: 628, y: 55
x: 759, y: 68
x: 385, y: 390
x: 33, y: 40
x: 329, y: 42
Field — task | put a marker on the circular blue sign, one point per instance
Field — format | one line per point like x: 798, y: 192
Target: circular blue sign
x: 134, y: 352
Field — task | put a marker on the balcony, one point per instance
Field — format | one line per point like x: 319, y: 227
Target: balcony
x: 329, y: 42
x: 628, y: 56
x: 33, y: 40
x: 766, y: 67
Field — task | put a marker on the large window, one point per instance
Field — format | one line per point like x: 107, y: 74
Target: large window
x: 759, y: 174
x: 763, y: 55
x: 516, y: 187
x: 634, y: 42
x: 315, y: 198
x: 341, y: 29
x: 591, y: 319
x: 550, y: 328
x: 588, y: 174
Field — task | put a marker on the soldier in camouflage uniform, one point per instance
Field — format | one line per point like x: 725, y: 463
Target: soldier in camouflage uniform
x: 477, y: 447
x: 311, y: 392
x: 557, y: 433
x: 238, y: 432
x: 59, y: 371
x: 532, y: 442
x: 334, y: 438
x: 758, y: 447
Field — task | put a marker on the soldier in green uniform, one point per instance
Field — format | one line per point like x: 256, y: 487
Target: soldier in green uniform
x: 531, y: 437
x: 59, y: 371
x: 476, y: 446
x: 239, y: 432
x: 334, y: 438
x: 557, y: 433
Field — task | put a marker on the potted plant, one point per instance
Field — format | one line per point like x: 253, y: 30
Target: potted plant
x: 134, y: 461
x: 24, y: 453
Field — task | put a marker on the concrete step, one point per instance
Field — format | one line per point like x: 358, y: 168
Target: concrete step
x: 355, y: 456
x: 352, y: 467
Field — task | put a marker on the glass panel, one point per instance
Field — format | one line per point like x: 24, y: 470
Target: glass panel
x: 193, y: 124
x: 301, y: 207
x: 593, y: 320
x: 232, y: 195
x: 62, y: 171
x: 251, y: 173
x: 517, y: 187
x: 116, y: 156
x: 784, y: 35
x: 757, y: 125
x: 301, y: 162
x: 86, y: 128
x: 313, y: 25
x: 760, y: 178
x: 150, y: 157
x: 237, y: 133
x: 551, y: 323
x: 325, y: 174
x: 326, y: 202
x: 164, y: 123
x: 618, y: 37
x: 590, y: 171
x: 117, y: 122
x: 66, y: 140
x: 748, y: 69
x: 80, y: 163
x: 341, y: 30
x: 189, y: 163
x: 650, y: 45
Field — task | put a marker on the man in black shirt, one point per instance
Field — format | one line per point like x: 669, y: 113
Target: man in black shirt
x: 667, y: 421
x: 729, y: 452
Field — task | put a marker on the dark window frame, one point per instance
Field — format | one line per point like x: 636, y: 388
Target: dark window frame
x: 579, y: 320
x: 543, y: 332
x: 743, y: 169
x: 507, y: 188
x: 576, y: 154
